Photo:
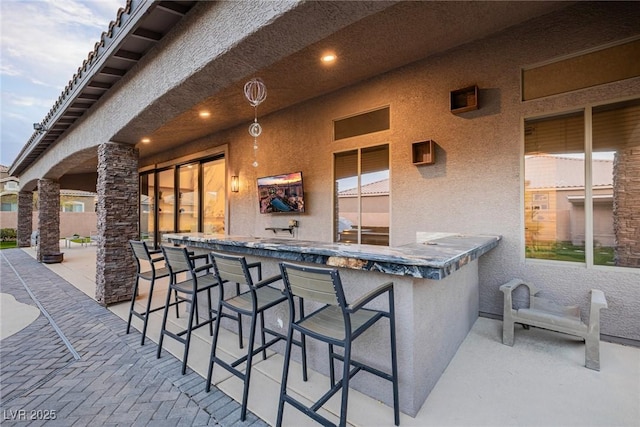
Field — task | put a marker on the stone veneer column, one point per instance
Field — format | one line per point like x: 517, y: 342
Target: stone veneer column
x: 626, y: 207
x: 25, y: 218
x: 117, y: 216
x: 48, y: 217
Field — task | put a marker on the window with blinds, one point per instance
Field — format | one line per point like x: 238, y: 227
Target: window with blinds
x: 362, y: 195
x: 582, y: 195
x: 615, y: 183
x: 361, y: 124
x: 588, y: 69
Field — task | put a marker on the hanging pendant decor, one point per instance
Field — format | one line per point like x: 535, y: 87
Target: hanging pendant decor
x: 255, y: 91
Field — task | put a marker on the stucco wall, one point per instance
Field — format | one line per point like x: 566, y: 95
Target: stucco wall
x: 82, y: 223
x: 476, y: 184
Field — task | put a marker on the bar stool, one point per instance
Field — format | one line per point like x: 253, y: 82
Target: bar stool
x: 254, y: 302
x: 179, y: 260
x: 336, y: 323
x: 144, y: 258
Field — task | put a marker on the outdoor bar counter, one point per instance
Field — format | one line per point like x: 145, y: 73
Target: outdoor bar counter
x: 436, y: 297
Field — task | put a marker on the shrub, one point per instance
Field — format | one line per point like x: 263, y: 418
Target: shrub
x: 8, y: 234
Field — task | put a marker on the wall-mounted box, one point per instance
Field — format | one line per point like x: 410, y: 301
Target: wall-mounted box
x: 423, y: 153
x: 465, y: 99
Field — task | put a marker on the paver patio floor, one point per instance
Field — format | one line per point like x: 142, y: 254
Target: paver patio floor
x: 92, y: 373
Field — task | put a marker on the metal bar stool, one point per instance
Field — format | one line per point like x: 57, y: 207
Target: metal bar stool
x: 338, y: 324
x: 198, y: 279
x: 254, y: 302
x: 145, y: 258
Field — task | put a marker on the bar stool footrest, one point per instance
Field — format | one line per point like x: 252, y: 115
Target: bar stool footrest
x: 307, y: 411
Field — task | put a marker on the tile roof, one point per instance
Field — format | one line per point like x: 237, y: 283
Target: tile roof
x: 374, y: 188
x: 544, y: 171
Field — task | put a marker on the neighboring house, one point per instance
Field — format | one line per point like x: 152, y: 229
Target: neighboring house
x: 555, y: 194
x: 373, y: 200
x: 77, y: 208
x: 374, y: 207
x: 77, y: 201
x: 8, y: 191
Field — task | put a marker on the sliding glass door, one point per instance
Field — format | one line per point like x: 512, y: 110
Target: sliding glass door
x: 148, y: 208
x: 185, y: 198
x: 166, y: 202
x: 214, y: 196
x: 362, y: 196
x: 188, y: 197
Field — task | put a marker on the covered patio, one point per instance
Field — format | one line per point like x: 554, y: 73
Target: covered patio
x: 443, y: 102
x: 539, y: 381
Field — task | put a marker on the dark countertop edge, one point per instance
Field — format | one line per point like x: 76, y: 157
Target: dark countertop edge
x: 411, y: 266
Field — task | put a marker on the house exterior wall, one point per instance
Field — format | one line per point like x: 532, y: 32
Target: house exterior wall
x: 563, y: 220
x: 476, y: 185
x: 375, y: 210
x: 81, y: 223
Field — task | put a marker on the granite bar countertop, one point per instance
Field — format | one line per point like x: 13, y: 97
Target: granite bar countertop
x: 434, y: 258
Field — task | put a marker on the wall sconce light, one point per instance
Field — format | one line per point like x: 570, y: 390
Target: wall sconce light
x: 235, y: 184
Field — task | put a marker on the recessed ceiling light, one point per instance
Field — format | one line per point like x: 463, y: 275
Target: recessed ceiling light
x: 328, y: 58
x: 204, y: 114
x: 145, y: 140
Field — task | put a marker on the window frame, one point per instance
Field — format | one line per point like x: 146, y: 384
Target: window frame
x: 359, y: 196
x: 72, y: 204
x: 199, y: 158
x: 587, y: 112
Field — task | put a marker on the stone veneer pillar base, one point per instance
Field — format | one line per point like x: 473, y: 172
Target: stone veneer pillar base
x: 25, y: 218
x: 48, y: 217
x: 117, y: 216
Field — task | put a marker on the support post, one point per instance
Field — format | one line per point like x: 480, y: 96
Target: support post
x: 117, y: 216
x: 25, y: 218
x: 48, y: 218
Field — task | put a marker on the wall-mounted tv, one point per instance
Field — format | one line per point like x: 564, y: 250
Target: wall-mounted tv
x: 281, y: 193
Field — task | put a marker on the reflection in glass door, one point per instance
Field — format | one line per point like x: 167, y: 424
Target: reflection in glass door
x: 374, y: 195
x: 615, y: 187
x: 346, y: 189
x: 147, y: 208
x: 213, y: 196
x: 362, y: 196
x: 188, y: 198
x: 554, y: 195
x: 166, y: 202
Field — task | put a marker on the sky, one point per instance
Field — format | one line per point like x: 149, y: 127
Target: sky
x: 42, y: 45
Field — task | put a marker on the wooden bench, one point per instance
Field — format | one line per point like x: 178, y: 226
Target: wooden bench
x: 546, y: 314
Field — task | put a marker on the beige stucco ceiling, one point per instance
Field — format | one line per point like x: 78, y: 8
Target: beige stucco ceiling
x: 400, y: 34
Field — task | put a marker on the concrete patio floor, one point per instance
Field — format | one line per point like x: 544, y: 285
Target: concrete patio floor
x: 541, y: 381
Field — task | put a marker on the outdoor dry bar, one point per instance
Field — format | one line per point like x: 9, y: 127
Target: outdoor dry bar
x: 436, y: 298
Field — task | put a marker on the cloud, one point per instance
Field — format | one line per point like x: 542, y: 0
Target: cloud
x: 9, y: 70
x: 28, y: 101
x: 16, y: 116
x: 42, y: 45
x: 51, y: 37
